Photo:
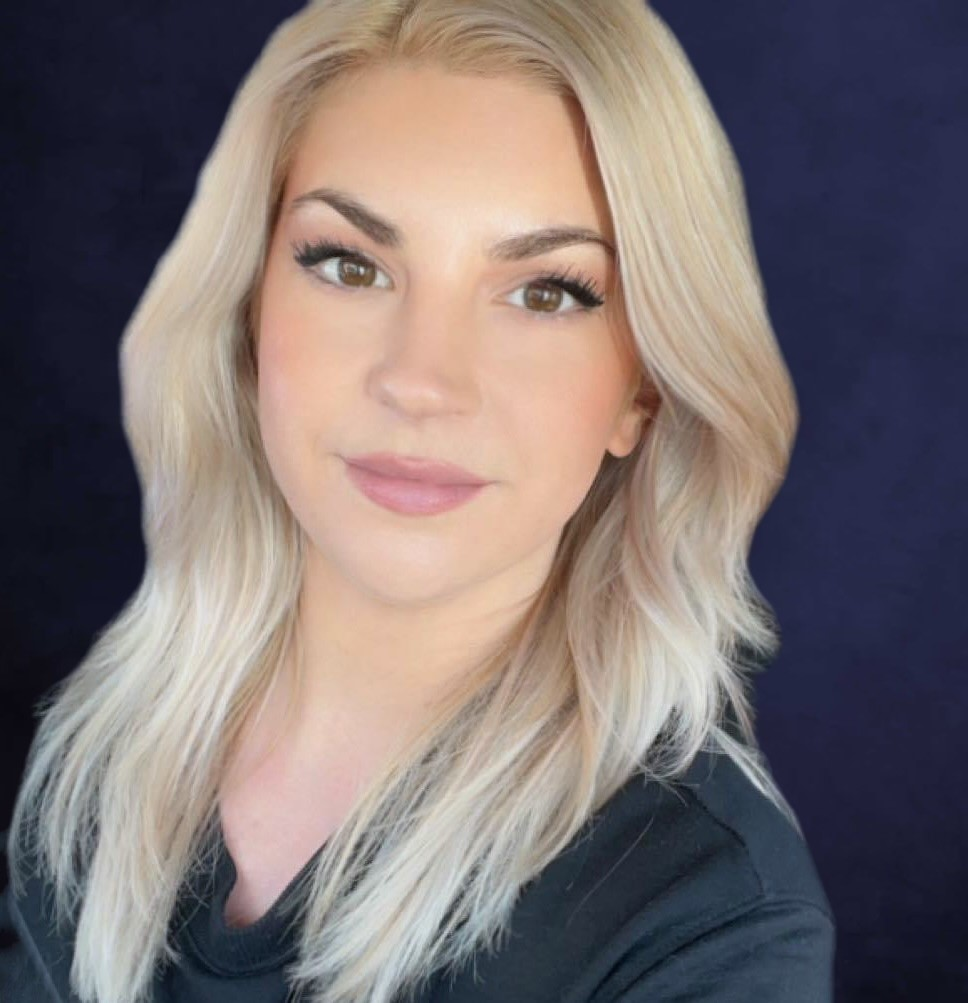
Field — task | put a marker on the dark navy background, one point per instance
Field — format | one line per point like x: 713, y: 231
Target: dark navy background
x: 849, y: 121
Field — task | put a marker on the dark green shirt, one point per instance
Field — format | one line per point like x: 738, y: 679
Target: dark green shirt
x: 693, y: 892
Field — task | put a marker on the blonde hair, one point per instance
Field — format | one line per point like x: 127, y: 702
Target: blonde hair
x: 634, y: 656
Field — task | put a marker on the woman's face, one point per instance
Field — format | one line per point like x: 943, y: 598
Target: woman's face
x: 429, y: 345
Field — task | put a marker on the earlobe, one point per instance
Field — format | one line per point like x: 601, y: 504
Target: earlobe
x: 640, y: 404
x: 629, y: 432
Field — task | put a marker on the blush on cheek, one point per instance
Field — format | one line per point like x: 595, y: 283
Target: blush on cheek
x: 278, y: 384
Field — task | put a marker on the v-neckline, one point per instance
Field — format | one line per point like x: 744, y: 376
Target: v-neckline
x: 258, y: 946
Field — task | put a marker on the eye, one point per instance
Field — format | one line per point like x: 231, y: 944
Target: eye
x: 349, y: 268
x: 346, y: 267
x: 545, y: 293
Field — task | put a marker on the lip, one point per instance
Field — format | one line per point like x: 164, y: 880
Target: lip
x: 415, y: 468
x: 410, y: 497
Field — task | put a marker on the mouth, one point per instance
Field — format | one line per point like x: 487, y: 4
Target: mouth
x: 410, y: 496
x: 417, y: 469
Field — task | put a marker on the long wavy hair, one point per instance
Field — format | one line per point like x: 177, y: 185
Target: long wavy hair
x: 638, y: 652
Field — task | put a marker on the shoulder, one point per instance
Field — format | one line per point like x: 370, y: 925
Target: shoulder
x: 670, y: 887
x: 686, y: 856
x: 715, y: 883
x: 734, y: 907
x: 745, y: 848
x: 34, y: 961
x: 705, y: 845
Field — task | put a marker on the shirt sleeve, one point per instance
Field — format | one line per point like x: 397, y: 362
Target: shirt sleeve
x: 777, y: 952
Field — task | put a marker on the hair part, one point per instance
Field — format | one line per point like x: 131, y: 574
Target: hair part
x: 636, y: 654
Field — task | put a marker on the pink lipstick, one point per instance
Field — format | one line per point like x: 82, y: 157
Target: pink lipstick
x: 412, y: 485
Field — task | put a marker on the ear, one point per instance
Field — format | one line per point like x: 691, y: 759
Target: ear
x: 639, y: 405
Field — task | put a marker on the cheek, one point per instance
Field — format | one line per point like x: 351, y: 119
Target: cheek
x: 287, y: 387
x: 279, y: 391
x: 564, y: 424
x: 290, y: 359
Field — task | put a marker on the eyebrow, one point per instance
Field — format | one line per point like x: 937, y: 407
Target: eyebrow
x: 514, y: 248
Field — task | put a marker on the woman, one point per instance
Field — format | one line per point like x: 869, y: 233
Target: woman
x: 455, y: 405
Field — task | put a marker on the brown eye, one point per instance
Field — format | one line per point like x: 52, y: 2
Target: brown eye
x: 548, y: 292
x: 355, y: 271
x: 337, y: 265
x: 543, y: 297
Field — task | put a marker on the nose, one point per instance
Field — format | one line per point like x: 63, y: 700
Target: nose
x: 427, y: 363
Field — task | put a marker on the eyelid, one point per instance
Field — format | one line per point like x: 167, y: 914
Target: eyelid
x: 571, y: 281
x: 310, y: 253
x: 333, y: 249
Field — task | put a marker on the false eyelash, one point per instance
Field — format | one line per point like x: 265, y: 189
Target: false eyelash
x: 309, y: 253
x: 573, y: 281
x: 580, y: 286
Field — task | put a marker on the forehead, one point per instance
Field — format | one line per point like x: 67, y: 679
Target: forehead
x: 494, y: 153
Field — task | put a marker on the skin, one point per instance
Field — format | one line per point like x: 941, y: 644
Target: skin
x: 440, y: 357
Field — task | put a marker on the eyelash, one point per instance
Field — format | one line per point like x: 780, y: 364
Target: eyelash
x: 309, y: 254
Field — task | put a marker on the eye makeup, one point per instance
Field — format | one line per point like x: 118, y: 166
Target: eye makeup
x: 309, y: 254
